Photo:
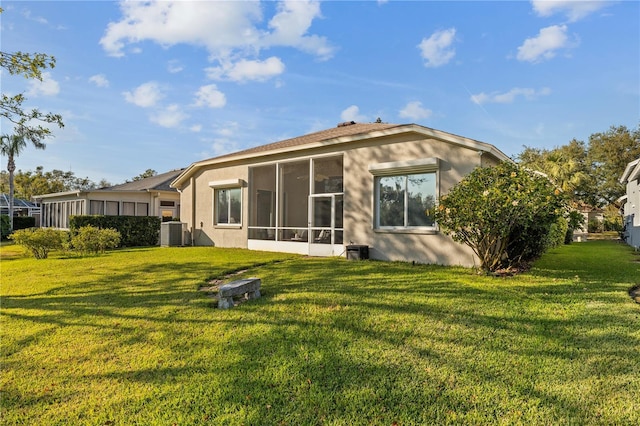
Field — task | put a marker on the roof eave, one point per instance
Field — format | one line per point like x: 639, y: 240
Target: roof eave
x: 632, y: 171
x: 59, y: 194
x: 406, y: 128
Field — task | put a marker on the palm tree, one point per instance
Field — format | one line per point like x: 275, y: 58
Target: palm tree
x: 11, y: 146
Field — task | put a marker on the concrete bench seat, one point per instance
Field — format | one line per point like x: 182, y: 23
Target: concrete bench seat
x: 249, y: 288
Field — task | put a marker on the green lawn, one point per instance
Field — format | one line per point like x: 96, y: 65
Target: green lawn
x: 127, y: 338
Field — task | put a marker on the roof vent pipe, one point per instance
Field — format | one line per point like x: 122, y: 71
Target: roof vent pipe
x: 346, y: 123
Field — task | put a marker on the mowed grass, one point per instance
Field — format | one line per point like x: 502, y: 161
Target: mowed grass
x: 127, y: 338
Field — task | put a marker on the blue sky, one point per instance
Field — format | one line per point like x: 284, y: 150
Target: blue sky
x: 159, y: 85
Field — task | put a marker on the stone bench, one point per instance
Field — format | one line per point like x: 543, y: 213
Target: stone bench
x: 249, y: 288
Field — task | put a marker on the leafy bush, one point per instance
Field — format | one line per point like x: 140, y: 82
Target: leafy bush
x: 134, y: 230
x: 40, y: 241
x: 594, y: 226
x: 504, y: 213
x: 90, y: 239
x: 557, y: 232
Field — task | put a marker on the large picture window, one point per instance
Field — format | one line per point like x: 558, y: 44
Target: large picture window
x: 228, y: 206
x: 405, y: 201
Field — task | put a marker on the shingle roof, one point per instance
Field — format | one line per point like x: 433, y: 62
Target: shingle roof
x: 347, y: 129
x: 343, y: 133
x: 154, y: 183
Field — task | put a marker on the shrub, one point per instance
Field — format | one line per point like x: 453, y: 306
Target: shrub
x: 504, y: 213
x: 90, y: 239
x: 594, y: 226
x: 134, y: 230
x: 39, y: 241
x: 557, y: 232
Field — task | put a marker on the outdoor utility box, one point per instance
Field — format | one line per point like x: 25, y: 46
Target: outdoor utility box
x: 171, y: 234
x: 357, y: 252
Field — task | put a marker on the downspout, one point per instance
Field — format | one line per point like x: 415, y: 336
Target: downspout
x: 193, y: 211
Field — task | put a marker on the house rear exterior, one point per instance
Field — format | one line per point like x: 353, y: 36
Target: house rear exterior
x: 631, y: 203
x: 373, y: 185
x: 151, y: 196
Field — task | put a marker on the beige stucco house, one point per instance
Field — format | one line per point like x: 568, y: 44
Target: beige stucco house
x: 151, y: 196
x: 373, y: 185
x: 631, y: 203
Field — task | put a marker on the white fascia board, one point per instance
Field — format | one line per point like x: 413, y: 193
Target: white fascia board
x: 59, y: 194
x: 633, y: 168
x: 228, y: 183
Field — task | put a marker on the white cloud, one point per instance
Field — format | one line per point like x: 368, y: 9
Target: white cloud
x: 47, y: 87
x: 169, y: 117
x: 210, y: 96
x: 290, y: 26
x: 510, y: 96
x: 99, y: 80
x: 146, y: 95
x: 545, y: 44
x: 174, y: 66
x: 196, y: 128
x: 573, y: 9
x: 352, y: 113
x: 415, y: 111
x: 228, y: 30
x: 247, y: 70
x: 436, y: 50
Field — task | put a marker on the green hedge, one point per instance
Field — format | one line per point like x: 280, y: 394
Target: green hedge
x: 19, y: 222
x: 23, y: 222
x: 4, y: 226
x: 134, y: 230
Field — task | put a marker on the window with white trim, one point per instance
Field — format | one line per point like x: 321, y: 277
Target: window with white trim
x: 227, y: 202
x: 228, y: 206
x: 405, y: 194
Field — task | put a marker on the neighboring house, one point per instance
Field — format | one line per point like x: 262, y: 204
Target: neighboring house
x: 151, y: 196
x: 373, y: 185
x: 631, y: 203
x: 20, y: 207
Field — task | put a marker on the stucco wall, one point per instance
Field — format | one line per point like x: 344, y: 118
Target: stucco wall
x: 455, y: 162
x: 200, y: 222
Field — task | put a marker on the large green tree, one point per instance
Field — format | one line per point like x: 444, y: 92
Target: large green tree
x: 589, y: 173
x: 609, y: 153
x: 146, y: 174
x: 566, y: 166
x: 31, y: 183
x: 28, y: 125
x: 11, y: 146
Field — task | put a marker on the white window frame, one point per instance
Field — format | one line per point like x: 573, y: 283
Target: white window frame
x: 227, y: 185
x: 403, y: 169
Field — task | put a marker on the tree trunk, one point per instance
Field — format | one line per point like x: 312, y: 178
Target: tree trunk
x: 11, y: 167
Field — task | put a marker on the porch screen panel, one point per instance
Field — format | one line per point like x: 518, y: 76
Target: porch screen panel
x: 294, y: 194
x: 128, y: 208
x: 262, y: 202
x: 96, y: 207
x: 327, y: 175
x: 142, y: 209
x: 112, y: 208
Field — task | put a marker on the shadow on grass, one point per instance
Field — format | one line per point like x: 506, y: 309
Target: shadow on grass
x: 355, y: 343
